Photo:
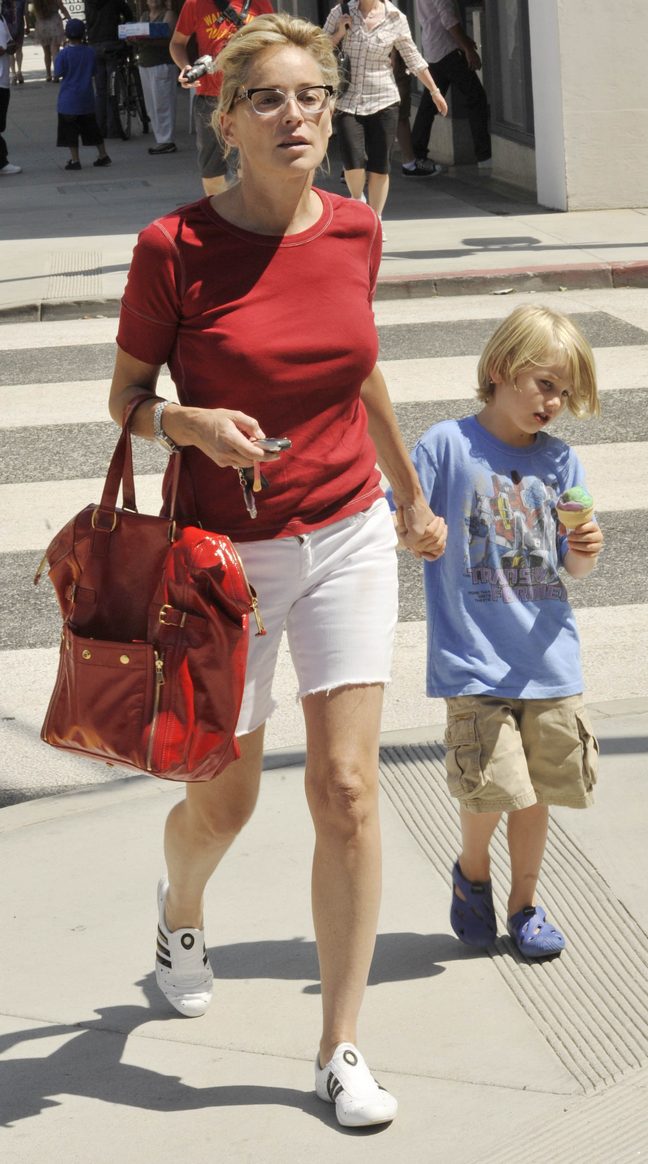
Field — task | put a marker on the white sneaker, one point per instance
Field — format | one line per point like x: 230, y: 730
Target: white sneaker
x: 9, y: 169
x: 347, y: 1082
x: 182, y: 968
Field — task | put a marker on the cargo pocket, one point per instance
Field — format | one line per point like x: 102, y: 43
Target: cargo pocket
x: 589, y: 750
x: 463, y: 757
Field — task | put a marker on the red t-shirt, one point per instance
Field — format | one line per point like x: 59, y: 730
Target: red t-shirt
x: 282, y: 329
x: 213, y: 30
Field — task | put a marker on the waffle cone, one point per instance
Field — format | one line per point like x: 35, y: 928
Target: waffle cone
x: 572, y: 518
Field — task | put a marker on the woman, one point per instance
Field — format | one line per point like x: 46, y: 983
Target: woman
x: 159, y: 77
x: 367, y: 113
x: 259, y: 299
x: 48, y: 29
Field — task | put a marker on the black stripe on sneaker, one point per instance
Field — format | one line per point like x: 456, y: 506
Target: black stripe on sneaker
x: 333, y: 1086
x: 163, y: 961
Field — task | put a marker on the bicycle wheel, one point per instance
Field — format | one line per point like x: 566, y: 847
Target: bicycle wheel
x: 121, y: 102
x: 139, y: 105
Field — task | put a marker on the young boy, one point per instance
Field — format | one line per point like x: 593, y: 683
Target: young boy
x: 503, y: 646
x: 76, y: 66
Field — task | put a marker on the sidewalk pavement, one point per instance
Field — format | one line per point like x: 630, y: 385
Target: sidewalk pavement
x: 493, y: 1059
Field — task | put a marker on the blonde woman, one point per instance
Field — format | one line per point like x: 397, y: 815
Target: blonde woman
x: 48, y: 29
x: 239, y: 294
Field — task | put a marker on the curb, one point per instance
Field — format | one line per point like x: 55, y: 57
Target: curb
x: 578, y: 277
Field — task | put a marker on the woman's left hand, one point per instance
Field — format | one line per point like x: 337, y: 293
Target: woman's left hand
x: 440, y: 102
x: 421, y: 531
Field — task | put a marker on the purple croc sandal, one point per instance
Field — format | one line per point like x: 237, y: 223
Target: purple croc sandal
x: 472, y: 920
x: 533, y: 935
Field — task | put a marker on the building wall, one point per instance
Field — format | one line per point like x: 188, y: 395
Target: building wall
x: 590, y: 95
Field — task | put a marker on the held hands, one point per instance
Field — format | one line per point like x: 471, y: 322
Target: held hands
x: 421, y: 531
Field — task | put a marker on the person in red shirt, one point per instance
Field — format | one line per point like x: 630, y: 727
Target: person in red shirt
x: 212, y: 22
x: 259, y: 300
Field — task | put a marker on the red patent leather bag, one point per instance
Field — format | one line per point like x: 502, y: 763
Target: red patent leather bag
x: 154, y: 638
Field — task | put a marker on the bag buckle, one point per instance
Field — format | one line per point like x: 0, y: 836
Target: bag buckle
x: 103, y: 527
x: 166, y: 610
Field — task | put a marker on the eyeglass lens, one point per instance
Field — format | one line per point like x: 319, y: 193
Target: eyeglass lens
x: 311, y: 100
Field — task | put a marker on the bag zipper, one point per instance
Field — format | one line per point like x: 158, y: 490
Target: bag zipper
x: 254, y: 602
x: 159, y: 683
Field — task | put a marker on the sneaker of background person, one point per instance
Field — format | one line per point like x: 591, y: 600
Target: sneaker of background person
x: 421, y: 168
x: 167, y: 147
x: 10, y: 169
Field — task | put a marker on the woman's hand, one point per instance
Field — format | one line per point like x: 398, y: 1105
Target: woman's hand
x: 421, y: 531
x: 440, y: 102
x: 342, y: 27
x: 222, y: 434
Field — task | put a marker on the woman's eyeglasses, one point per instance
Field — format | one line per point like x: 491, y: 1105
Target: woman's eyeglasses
x: 267, y: 102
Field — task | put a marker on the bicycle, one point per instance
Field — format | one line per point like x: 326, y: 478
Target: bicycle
x: 125, y: 88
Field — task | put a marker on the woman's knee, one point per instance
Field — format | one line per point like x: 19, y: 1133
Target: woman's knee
x: 343, y: 797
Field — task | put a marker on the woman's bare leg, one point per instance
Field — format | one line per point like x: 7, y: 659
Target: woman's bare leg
x: 201, y: 828
x: 377, y: 191
x: 342, y: 789
x: 355, y: 180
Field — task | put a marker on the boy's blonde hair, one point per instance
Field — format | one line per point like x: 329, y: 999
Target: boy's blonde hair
x: 535, y: 336
x: 275, y: 30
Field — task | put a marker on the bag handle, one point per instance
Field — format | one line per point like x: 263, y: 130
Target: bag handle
x: 120, y: 473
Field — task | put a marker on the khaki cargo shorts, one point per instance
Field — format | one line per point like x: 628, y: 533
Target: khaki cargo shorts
x: 506, y: 754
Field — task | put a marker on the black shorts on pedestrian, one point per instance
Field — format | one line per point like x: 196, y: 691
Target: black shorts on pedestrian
x: 365, y: 140
x: 72, y: 126
x: 211, y: 162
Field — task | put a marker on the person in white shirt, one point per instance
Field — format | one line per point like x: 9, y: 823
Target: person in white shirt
x: 6, y: 168
x: 453, y: 61
x: 367, y: 112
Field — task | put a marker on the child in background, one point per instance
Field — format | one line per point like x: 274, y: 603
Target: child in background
x: 503, y: 647
x: 75, y: 65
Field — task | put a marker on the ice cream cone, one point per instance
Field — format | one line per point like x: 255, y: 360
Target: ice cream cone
x: 572, y: 518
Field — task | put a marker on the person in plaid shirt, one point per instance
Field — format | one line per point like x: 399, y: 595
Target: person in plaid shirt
x: 367, y: 113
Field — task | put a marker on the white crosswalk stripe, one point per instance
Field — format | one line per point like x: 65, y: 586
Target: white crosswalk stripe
x: 42, y: 487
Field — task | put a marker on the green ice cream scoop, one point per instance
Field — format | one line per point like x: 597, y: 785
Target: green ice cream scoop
x: 575, y: 499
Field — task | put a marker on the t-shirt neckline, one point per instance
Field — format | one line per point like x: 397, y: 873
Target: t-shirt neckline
x: 276, y: 240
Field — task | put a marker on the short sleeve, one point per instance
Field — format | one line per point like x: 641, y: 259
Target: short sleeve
x: 426, y: 469
x: 330, y: 24
x: 151, y: 304
x: 186, y: 22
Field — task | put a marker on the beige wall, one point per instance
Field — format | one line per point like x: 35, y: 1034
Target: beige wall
x: 590, y: 93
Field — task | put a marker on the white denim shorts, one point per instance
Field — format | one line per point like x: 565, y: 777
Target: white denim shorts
x: 335, y: 592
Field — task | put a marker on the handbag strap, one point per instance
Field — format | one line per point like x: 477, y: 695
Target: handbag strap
x: 120, y: 473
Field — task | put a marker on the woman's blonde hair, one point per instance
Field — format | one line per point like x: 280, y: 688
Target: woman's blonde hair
x: 275, y: 30
x: 533, y: 337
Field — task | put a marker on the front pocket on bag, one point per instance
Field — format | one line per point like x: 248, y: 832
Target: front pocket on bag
x: 463, y: 757
x: 102, y: 703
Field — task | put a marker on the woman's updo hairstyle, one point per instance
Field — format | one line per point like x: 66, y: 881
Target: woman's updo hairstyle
x: 276, y: 30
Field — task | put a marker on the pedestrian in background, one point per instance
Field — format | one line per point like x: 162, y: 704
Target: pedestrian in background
x: 159, y: 77
x: 453, y: 61
x: 15, y: 16
x: 6, y: 43
x: 76, y: 65
x: 48, y: 29
x: 212, y: 23
x: 503, y: 648
x: 367, y: 112
x: 103, y: 18
x: 411, y: 167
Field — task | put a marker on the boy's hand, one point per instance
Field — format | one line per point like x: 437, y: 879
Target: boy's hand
x: 424, y: 541
x: 586, y: 539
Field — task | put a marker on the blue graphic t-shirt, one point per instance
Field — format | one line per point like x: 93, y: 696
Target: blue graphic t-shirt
x: 498, y: 618
x: 76, y: 64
